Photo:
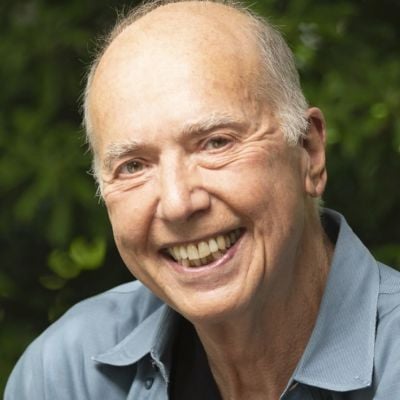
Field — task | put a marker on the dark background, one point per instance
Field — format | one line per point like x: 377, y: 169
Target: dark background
x: 56, y: 245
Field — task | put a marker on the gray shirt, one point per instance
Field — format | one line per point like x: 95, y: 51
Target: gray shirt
x: 120, y: 344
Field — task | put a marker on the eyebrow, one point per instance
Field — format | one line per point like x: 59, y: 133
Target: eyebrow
x: 119, y: 150
x: 215, y: 121
x: 212, y: 122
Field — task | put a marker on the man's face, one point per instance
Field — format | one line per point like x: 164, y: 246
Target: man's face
x: 206, y: 199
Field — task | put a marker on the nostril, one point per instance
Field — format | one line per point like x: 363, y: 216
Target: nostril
x: 179, y: 206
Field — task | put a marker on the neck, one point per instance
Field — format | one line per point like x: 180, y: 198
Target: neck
x: 253, y: 355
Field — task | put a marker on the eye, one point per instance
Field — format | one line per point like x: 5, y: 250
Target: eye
x: 131, y: 167
x: 216, y: 143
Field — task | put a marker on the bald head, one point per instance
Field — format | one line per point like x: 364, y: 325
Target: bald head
x: 192, y: 38
x: 181, y: 39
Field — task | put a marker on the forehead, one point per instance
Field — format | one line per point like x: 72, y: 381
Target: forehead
x: 171, y: 59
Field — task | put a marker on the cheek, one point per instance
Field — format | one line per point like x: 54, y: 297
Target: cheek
x: 246, y: 184
x: 265, y: 190
x: 129, y: 219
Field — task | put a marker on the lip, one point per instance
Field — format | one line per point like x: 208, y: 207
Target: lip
x: 207, y: 270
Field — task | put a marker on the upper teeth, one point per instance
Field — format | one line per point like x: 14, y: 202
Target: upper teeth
x: 196, y: 254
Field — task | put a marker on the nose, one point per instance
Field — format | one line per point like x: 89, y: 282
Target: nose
x: 181, y: 191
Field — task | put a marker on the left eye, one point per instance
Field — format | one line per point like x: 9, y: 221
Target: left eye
x: 216, y: 143
x: 132, y: 167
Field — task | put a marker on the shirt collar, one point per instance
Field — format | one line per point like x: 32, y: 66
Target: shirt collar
x: 153, y: 336
x: 340, y: 352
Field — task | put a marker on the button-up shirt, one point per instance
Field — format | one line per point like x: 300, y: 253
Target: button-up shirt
x: 120, y: 344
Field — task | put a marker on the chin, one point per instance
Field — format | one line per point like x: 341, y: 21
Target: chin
x: 213, y: 307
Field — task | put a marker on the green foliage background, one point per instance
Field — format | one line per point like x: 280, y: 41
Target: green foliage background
x: 56, y: 243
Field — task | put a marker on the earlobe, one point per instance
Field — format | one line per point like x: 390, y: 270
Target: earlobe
x: 314, y: 145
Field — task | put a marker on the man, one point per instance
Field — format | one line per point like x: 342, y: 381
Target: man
x: 211, y: 167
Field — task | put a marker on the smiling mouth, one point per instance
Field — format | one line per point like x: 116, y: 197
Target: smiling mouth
x: 198, y: 254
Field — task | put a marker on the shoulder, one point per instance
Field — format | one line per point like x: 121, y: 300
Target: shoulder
x: 389, y: 297
x: 102, y: 320
x: 65, y: 349
x: 388, y: 300
x: 387, y: 344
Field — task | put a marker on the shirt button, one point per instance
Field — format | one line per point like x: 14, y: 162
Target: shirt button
x: 148, y: 383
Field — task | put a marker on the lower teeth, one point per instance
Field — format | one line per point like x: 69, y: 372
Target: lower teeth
x: 204, y: 261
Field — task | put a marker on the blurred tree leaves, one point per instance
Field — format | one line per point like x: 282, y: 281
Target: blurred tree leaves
x: 54, y: 233
x: 68, y: 264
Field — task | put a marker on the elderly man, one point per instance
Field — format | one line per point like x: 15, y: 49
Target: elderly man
x: 211, y: 167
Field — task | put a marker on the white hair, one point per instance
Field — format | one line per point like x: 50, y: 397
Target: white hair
x: 279, y: 81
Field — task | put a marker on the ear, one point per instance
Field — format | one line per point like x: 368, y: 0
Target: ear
x: 314, y: 145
